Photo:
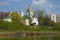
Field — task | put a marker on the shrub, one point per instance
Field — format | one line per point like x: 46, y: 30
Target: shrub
x: 57, y: 27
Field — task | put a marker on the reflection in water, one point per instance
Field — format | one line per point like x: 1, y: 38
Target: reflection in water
x: 30, y: 36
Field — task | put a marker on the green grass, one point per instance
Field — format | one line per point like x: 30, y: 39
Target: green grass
x: 27, y: 28
x: 32, y: 38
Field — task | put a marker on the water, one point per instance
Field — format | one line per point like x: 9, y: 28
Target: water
x: 30, y: 36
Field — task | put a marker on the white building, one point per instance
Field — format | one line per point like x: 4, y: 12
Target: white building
x: 55, y: 18
x: 34, y: 21
x: 30, y: 16
x: 21, y: 13
x: 9, y: 20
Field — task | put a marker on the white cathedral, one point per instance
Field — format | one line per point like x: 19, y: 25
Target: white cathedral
x: 31, y: 19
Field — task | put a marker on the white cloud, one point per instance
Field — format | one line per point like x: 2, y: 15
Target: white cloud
x: 14, y: 0
x: 38, y: 2
x: 4, y: 3
x: 7, y: 2
x: 42, y: 4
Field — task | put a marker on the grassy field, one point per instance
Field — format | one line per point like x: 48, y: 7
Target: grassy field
x: 11, y: 28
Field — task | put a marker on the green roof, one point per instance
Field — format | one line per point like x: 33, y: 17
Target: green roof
x: 24, y: 17
x: 8, y: 17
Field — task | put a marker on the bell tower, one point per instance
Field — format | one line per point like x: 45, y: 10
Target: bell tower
x: 21, y: 13
x: 29, y: 12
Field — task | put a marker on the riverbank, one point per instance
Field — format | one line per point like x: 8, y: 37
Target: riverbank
x: 32, y: 38
x: 28, y: 33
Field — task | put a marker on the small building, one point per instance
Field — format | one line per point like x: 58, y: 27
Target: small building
x: 55, y: 18
x: 35, y: 21
x: 27, y: 22
x: 5, y: 16
x: 8, y: 19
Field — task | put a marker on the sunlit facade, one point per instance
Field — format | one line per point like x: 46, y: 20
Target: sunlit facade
x: 55, y: 18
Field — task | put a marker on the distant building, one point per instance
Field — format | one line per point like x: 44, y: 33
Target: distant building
x: 21, y: 13
x: 35, y: 21
x: 29, y: 18
x: 27, y: 22
x: 8, y: 19
x: 55, y: 18
x: 5, y: 16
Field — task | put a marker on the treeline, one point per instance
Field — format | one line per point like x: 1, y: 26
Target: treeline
x: 43, y: 18
x: 14, y: 26
x: 44, y: 23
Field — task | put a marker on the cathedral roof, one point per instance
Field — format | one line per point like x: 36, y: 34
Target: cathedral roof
x: 29, y: 9
x: 8, y: 17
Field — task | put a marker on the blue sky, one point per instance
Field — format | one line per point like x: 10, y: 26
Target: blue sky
x: 50, y: 6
